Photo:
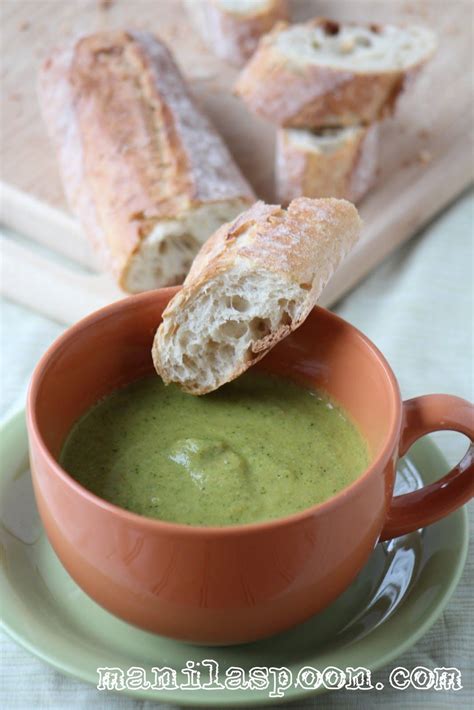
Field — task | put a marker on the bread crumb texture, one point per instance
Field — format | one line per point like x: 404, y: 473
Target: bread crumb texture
x: 253, y: 282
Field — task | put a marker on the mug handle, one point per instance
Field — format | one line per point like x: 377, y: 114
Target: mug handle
x: 422, y: 415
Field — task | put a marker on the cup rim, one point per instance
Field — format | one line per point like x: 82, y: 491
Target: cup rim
x: 78, y: 329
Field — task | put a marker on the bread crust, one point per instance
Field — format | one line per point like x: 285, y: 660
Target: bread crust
x: 233, y: 36
x: 133, y: 147
x: 317, y: 96
x: 347, y: 172
x: 304, y: 244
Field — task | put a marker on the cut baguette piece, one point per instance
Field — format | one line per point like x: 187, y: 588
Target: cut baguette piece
x: 322, y: 73
x: 232, y: 28
x: 330, y: 162
x: 143, y: 169
x: 253, y: 282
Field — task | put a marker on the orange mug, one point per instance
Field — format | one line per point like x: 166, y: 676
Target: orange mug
x: 228, y: 585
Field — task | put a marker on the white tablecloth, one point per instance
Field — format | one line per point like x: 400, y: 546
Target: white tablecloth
x: 418, y: 308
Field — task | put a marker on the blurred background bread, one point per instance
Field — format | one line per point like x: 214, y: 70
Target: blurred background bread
x: 324, y: 73
x: 144, y: 170
x: 329, y: 162
x: 232, y: 28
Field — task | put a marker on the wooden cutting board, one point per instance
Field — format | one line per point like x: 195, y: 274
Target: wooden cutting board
x: 426, y: 153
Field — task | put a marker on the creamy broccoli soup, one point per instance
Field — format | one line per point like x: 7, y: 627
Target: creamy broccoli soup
x: 260, y: 447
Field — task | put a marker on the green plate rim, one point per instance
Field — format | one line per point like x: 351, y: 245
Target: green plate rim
x: 18, y: 417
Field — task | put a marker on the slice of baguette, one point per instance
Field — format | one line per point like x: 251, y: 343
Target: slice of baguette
x: 253, y: 282
x: 143, y: 169
x: 330, y: 162
x: 322, y: 73
x: 232, y: 28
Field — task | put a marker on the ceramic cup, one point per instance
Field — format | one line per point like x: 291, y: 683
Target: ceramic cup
x: 232, y: 584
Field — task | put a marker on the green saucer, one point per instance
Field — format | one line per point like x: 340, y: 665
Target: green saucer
x: 393, y: 602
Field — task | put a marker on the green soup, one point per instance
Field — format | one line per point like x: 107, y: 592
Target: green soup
x: 260, y: 447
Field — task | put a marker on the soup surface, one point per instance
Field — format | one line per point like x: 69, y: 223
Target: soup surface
x: 260, y: 447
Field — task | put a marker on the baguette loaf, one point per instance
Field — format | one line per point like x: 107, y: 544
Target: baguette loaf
x: 321, y: 73
x: 143, y: 169
x: 232, y: 28
x: 331, y: 162
x: 253, y: 282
